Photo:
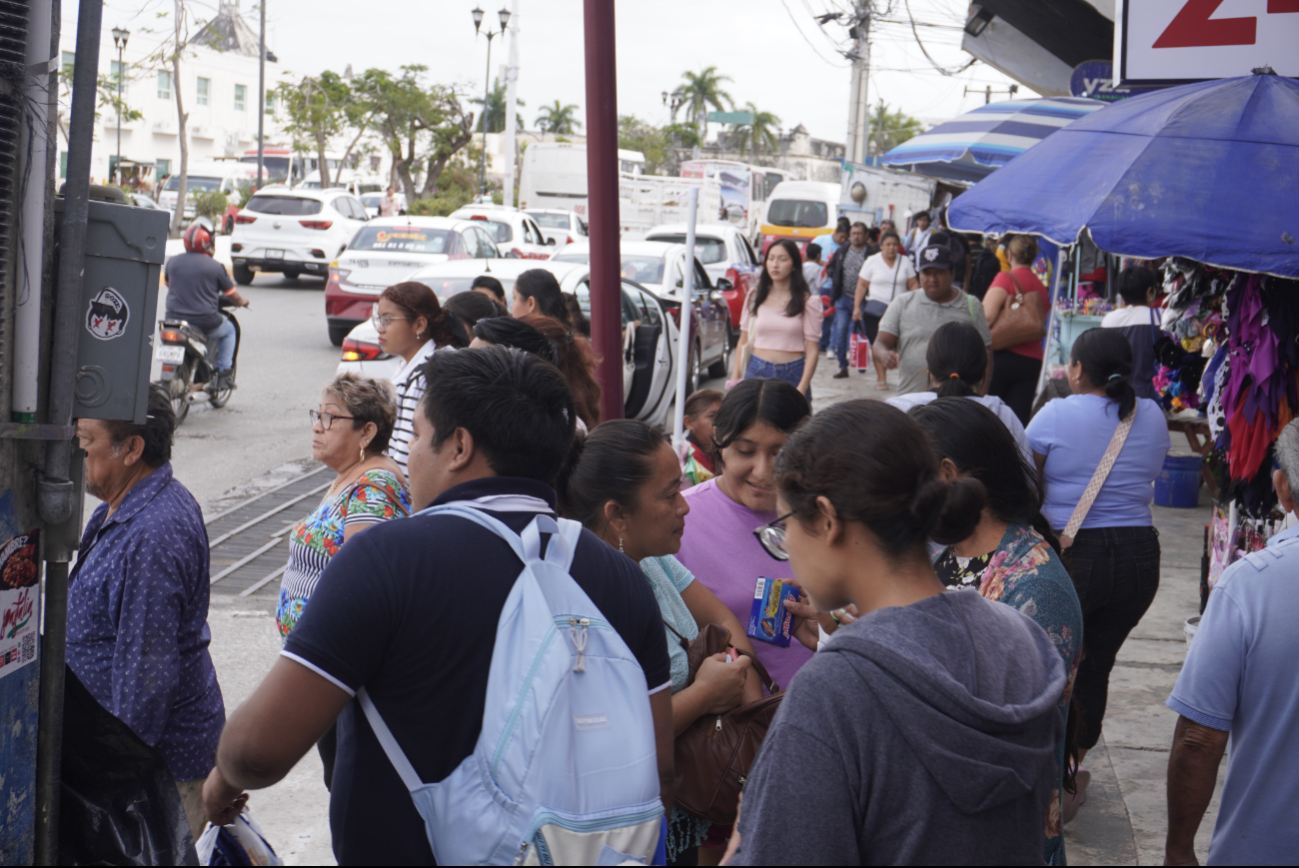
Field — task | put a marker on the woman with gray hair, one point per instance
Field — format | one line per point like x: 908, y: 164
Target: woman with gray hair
x: 349, y: 433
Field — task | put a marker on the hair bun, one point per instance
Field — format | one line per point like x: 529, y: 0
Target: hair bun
x: 948, y: 511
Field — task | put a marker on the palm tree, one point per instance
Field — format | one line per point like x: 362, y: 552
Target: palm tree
x: 494, y: 114
x: 760, y: 133
x: 559, y: 119
x: 704, y: 89
x: 890, y: 129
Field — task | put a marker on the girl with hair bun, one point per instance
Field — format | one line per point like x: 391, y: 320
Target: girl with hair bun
x: 1114, y: 558
x: 1013, y: 555
x: 924, y: 731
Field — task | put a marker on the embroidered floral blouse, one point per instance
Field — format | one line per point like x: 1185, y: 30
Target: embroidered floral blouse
x: 376, y: 496
x: 1026, y: 573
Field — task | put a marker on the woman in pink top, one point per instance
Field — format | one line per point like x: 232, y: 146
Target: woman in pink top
x: 783, y: 320
x: 718, y: 545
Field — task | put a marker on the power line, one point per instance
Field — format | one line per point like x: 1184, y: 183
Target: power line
x: 942, y: 70
x: 790, y: 12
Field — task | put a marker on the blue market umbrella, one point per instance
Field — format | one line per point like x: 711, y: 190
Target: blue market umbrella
x: 974, y: 145
x: 1207, y: 171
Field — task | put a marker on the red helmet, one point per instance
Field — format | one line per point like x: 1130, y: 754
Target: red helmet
x: 198, y: 240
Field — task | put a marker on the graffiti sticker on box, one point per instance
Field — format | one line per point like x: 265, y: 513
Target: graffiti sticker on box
x: 19, y: 601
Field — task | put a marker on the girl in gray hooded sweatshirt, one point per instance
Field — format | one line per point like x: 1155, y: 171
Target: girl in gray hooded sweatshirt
x: 925, y: 732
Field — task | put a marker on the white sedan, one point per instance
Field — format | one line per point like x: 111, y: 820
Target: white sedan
x: 515, y: 233
x: 648, y: 323
x: 561, y: 227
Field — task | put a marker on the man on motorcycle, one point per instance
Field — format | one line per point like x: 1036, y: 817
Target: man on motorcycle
x: 195, y: 283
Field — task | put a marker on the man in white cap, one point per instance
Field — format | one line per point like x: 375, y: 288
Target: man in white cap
x: 913, y: 317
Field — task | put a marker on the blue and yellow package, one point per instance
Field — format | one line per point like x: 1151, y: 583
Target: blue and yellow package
x: 769, y: 620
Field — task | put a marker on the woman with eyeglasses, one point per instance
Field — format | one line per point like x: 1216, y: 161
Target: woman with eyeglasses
x: 349, y: 433
x: 718, y: 546
x: 925, y: 732
x: 623, y: 482
x: 412, y: 325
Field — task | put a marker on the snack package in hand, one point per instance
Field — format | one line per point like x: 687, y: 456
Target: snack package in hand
x: 769, y: 620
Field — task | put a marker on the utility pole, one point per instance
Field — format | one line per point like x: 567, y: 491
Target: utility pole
x: 511, y: 89
x: 988, y: 92
x: 858, y: 92
x: 261, y: 104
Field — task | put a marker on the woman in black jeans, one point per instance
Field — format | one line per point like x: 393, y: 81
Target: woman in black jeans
x: 1115, y: 554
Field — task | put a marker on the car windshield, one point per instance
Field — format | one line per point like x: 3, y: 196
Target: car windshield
x: 288, y: 206
x: 797, y: 212
x: 499, y: 231
x: 372, y: 200
x: 194, y: 184
x: 404, y: 239
x: 549, y: 221
x: 707, y: 250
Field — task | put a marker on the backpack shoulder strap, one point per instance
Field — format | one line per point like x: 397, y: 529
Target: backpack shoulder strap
x: 395, y: 755
x: 969, y: 304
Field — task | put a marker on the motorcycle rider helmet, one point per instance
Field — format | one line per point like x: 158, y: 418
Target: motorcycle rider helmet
x: 199, y: 240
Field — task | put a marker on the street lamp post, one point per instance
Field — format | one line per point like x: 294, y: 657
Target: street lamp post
x: 119, y: 41
x: 674, y: 101
x: 504, y: 15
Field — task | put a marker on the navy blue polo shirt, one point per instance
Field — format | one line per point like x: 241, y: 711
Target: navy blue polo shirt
x: 409, y: 610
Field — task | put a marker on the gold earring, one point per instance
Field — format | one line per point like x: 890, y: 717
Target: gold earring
x: 362, y: 453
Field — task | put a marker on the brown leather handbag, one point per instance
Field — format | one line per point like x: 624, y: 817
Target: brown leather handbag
x: 714, y: 754
x: 1021, y: 320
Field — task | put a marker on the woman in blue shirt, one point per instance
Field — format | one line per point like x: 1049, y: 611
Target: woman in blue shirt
x: 1114, y: 560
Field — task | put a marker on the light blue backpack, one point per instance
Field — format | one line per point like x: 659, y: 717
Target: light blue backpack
x: 565, y: 770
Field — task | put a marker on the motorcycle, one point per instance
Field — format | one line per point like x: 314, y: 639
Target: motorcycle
x: 188, y: 360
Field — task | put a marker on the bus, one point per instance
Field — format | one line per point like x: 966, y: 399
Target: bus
x: 746, y: 190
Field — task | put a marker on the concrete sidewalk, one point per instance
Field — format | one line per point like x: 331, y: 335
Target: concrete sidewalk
x: 1122, y: 823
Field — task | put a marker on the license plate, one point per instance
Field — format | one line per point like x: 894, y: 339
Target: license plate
x: 275, y: 254
x: 174, y: 354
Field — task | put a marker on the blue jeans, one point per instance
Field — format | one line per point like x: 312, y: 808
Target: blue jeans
x: 826, y: 323
x: 224, y: 335
x: 790, y: 372
x: 842, y: 327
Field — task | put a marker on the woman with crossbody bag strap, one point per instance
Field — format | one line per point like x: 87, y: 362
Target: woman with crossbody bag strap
x: 1099, y: 451
x: 1016, y: 305
x: 625, y: 486
x: 886, y: 268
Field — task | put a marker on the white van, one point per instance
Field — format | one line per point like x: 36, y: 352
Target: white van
x: 800, y: 211
x: 356, y: 184
x: 554, y: 176
x: 204, y: 177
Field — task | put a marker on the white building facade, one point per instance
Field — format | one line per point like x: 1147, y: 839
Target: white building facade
x: 217, y: 83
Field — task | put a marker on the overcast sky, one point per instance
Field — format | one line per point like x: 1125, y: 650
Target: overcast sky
x: 776, y: 54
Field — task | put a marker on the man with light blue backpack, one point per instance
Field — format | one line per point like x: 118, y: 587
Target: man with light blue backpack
x: 498, y: 675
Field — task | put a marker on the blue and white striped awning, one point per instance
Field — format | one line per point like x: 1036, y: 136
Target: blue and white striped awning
x: 970, y: 147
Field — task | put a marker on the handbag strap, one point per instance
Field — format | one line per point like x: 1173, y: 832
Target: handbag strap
x: 1098, y: 479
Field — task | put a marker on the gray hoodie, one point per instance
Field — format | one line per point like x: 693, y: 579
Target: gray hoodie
x: 923, y: 734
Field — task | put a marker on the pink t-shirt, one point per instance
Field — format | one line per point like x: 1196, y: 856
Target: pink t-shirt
x: 719, y: 548
x: 777, y: 331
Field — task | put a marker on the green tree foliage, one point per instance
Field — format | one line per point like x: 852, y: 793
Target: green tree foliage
x: 890, y: 129
x: 211, y: 204
x: 422, y: 125
x: 494, y: 114
x: 703, y: 91
x: 315, y: 110
x: 686, y: 135
x: 559, y: 119
x: 760, y: 135
x: 635, y: 134
x: 457, y: 186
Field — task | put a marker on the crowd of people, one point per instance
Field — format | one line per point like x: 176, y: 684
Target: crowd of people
x: 917, y: 723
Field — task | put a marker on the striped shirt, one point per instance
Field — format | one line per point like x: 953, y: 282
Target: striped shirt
x: 409, y: 384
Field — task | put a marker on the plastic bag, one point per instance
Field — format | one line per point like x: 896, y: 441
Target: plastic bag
x: 119, y: 803
x: 240, y: 843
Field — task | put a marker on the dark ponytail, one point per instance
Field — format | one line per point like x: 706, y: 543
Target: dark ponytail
x: 876, y: 465
x: 972, y: 437
x: 957, y: 359
x: 1106, y: 359
x: 613, y: 462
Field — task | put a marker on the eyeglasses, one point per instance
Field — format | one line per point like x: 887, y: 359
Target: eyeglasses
x: 382, y: 322
x: 772, y: 537
x: 325, y: 420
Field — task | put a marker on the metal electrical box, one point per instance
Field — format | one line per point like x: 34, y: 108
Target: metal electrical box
x: 125, y: 249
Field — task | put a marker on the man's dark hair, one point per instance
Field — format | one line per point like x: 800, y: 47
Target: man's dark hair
x: 843, y: 224
x: 813, y: 252
x: 486, y: 281
x: 517, y: 408
x: 1134, y: 282
x: 156, y: 432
